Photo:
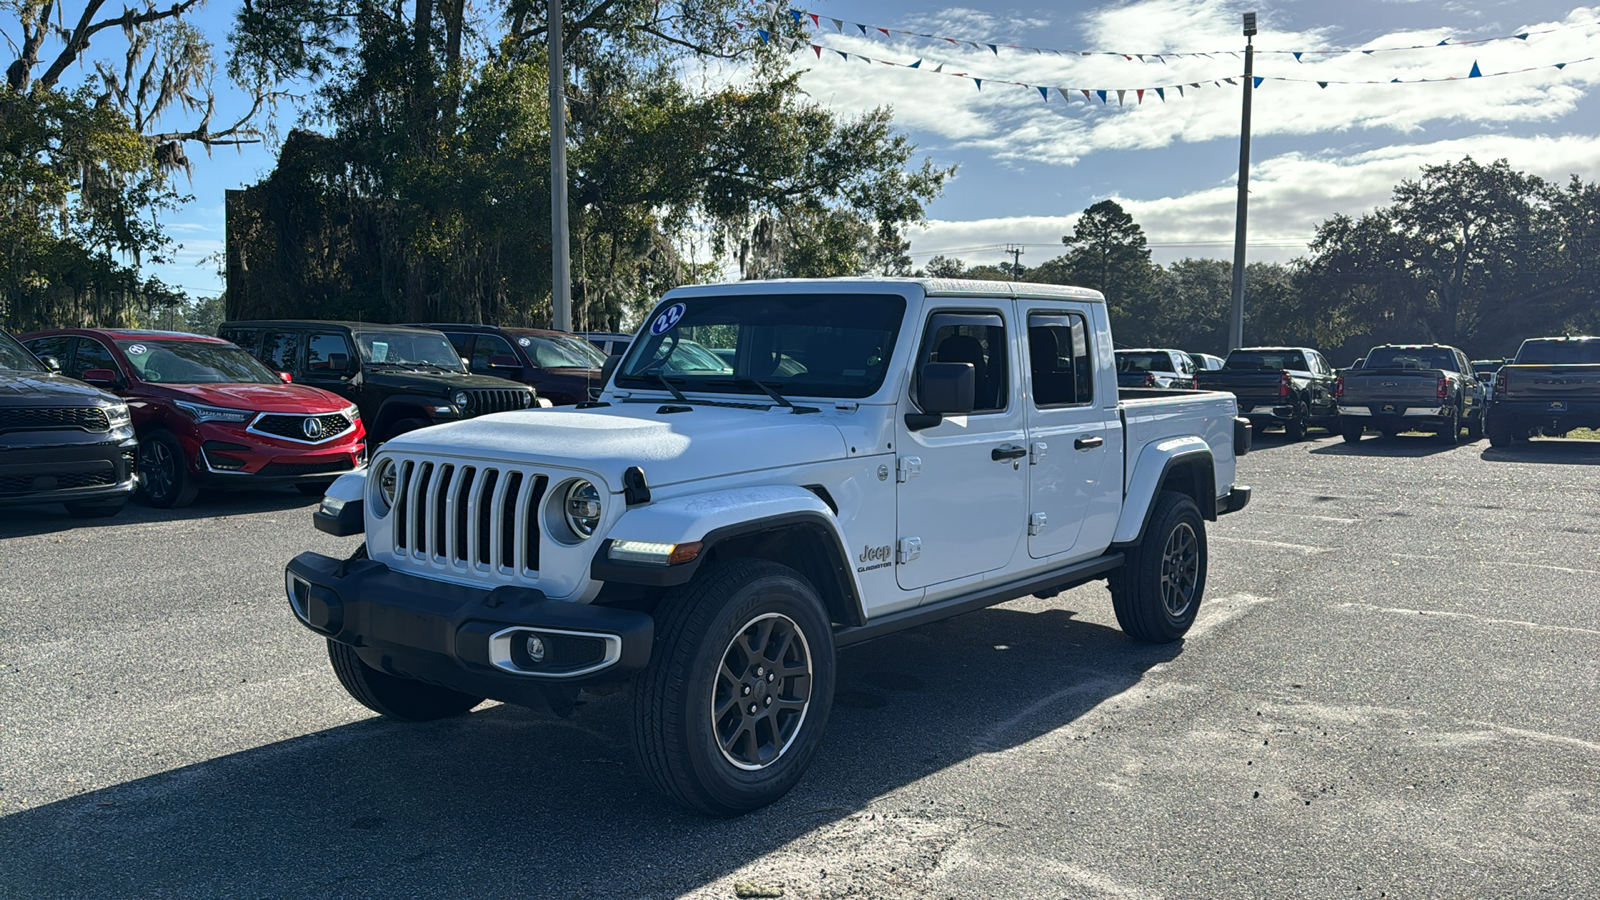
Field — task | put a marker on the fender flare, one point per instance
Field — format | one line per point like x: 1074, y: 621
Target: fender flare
x: 415, y: 402
x: 717, y: 517
x: 1150, y: 472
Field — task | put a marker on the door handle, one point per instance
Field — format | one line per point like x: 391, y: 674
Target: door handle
x: 1088, y: 443
x: 1007, y: 453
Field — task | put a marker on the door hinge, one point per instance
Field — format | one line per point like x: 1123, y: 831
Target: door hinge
x: 910, y: 548
x: 1037, y: 452
x: 907, y: 468
x: 1036, y: 523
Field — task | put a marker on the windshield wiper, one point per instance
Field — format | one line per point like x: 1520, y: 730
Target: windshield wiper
x: 760, y: 386
x: 662, y: 379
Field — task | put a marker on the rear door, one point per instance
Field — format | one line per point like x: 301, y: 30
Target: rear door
x: 1074, y: 432
x: 962, y: 503
x: 280, y: 351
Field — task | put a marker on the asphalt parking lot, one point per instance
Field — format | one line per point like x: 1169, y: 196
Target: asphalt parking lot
x: 1391, y: 691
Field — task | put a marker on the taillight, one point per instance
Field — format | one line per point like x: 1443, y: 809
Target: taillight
x: 1149, y: 379
x: 1338, y: 386
x: 1499, y: 383
x: 1283, y: 384
x: 1443, y: 389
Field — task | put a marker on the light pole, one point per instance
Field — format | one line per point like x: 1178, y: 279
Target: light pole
x: 1236, y: 329
x: 560, y: 248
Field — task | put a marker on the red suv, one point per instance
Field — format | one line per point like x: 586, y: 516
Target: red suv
x: 207, y: 414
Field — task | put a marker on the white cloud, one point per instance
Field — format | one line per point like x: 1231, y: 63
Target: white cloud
x: 1290, y: 194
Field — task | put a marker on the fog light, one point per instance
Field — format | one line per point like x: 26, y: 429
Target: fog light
x: 535, y: 649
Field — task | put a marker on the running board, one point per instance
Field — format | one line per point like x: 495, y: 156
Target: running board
x: 1055, y: 582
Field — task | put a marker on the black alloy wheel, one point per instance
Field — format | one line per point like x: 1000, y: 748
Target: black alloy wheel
x: 762, y: 692
x: 164, y: 473
x: 1157, y: 591
x: 1180, y: 570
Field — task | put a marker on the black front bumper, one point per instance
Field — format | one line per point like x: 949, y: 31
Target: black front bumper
x: 61, y: 472
x: 468, y: 639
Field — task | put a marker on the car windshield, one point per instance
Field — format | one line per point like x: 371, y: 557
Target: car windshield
x: 561, y: 351
x: 195, y: 362
x: 1258, y: 360
x: 819, y: 345
x: 409, y: 349
x: 1559, y: 353
x: 1410, y: 358
x: 14, y: 358
x: 1131, y: 361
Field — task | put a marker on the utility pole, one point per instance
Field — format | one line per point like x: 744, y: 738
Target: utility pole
x: 560, y: 248
x: 1016, y: 260
x: 1236, y: 329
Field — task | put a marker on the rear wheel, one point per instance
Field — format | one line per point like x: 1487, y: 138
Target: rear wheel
x: 731, y: 708
x: 391, y: 695
x: 1157, y: 592
x: 1351, y: 431
x: 1450, y: 431
x: 1295, y: 429
x: 1475, y: 427
x: 164, y: 472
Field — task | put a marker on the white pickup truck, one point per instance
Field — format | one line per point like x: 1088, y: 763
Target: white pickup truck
x: 775, y: 470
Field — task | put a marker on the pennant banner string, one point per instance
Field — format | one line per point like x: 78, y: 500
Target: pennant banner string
x: 816, y: 20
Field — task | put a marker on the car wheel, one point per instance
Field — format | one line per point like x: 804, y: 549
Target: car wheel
x: 1295, y: 429
x: 1499, y: 435
x: 732, y: 706
x: 1450, y: 431
x: 313, y: 488
x: 1352, y: 431
x: 1157, y: 592
x: 164, y: 476
x: 1475, y: 428
x: 96, y: 509
x: 392, y: 695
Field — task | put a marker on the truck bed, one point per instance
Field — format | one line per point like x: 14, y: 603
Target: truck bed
x: 1151, y: 415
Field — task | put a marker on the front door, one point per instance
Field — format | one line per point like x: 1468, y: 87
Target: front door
x: 962, y: 498
x: 1074, y: 433
x: 330, y: 364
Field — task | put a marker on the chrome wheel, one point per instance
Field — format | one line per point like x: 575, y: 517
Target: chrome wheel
x: 762, y: 691
x: 158, y: 468
x: 1180, y: 570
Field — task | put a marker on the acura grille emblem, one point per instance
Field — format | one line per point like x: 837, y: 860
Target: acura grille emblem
x: 312, y: 427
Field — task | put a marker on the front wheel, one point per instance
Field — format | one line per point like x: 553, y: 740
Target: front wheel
x: 164, y: 472
x: 731, y: 708
x: 391, y: 695
x: 1157, y: 592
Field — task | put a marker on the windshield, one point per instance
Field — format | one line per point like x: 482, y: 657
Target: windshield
x: 1266, y: 360
x: 15, y: 358
x: 819, y: 345
x: 1410, y: 358
x: 408, y: 348
x: 195, y: 362
x: 1559, y: 353
x: 560, y: 351
x: 1130, y: 361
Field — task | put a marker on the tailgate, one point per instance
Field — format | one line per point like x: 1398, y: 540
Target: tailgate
x: 1391, y: 386
x: 1251, y: 388
x: 1544, y: 384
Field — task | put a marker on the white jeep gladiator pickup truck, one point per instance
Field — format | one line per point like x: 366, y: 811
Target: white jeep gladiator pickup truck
x: 775, y: 470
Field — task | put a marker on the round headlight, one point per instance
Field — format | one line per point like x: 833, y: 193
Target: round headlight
x: 582, y: 507
x: 386, y: 481
x: 460, y: 398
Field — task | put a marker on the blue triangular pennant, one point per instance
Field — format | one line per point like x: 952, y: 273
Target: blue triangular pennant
x: 1162, y: 93
x: 1297, y: 55
x: 1323, y: 85
x: 843, y: 55
x: 863, y: 29
x: 797, y: 14
x: 978, y: 82
x: 1443, y: 43
x: 915, y: 65
x: 1521, y: 37
x: 1259, y: 79
x: 1045, y: 93
x: 995, y: 48
x: 1475, y: 73
x: 764, y: 35
x: 1102, y: 96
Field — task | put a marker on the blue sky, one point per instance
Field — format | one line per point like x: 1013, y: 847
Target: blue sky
x: 1027, y: 167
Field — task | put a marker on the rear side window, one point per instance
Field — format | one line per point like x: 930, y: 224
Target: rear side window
x: 1058, y: 358
x: 51, y: 346
x: 491, y: 346
x: 327, y: 352
x: 978, y: 339
x: 91, y: 355
x: 279, y: 349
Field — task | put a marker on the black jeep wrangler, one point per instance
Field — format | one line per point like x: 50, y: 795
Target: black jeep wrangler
x: 401, y: 378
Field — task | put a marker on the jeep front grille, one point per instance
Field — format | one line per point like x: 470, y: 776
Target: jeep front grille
x: 469, y: 518
x: 482, y: 401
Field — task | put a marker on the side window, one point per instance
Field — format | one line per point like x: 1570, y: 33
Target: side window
x: 1058, y: 357
x: 279, y: 349
x: 91, y: 355
x: 487, y: 347
x: 51, y: 346
x: 244, y: 337
x: 980, y: 340
x: 462, y: 343
x: 327, y: 353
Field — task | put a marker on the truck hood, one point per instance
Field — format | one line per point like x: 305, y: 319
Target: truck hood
x: 48, y: 389
x: 705, y: 442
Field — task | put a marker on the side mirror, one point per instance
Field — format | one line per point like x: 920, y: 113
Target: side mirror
x: 504, y: 362
x: 51, y: 363
x: 943, y: 389
x: 608, y: 369
x: 287, y: 378
x: 340, y: 362
x: 101, y: 378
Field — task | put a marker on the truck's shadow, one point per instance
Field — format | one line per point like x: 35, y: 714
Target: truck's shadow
x: 21, y: 521
x: 1547, y: 451
x: 1267, y: 441
x: 1403, y: 446
x: 505, y: 802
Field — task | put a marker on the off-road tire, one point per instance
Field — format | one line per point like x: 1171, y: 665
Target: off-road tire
x: 164, y: 478
x: 676, y: 730
x: 390, y: 695
x: 1138, y: 592
x: 1450, y: 431
x: 96, y: 509
x: 1352, y: 431
x: 1295, y: 429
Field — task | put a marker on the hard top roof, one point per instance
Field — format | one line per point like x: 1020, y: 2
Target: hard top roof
x: 932, y: 287
x: 322, y: 323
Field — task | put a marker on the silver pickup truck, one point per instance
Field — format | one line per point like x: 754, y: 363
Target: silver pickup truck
x: 1407, y: 387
